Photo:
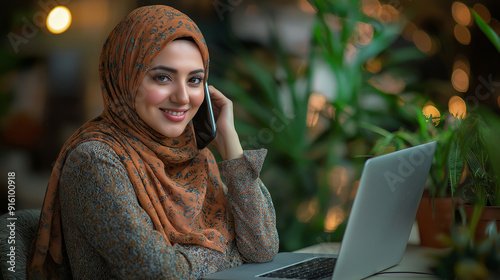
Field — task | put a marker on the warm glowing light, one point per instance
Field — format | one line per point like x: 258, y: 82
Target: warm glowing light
x: 333, y: 22
x: 498, y: 101
x: 388, y: 13
x: 457, y: 107
x: 316, y: 101
x: 334, y: 218
x: 58, y: 20
x: 373, y: 65
x: 462, y: 34
x: 432, y: 113
x: 307, y: 210
x: 482, y: 11
x: 388, y: 83
x: 365, y: 33
x: 460, y: 80
x: 337, y: 178
x: 461, y: 13
x: 314, y: 107
x: 409, y: 30
x: 422, y: 40
x: 495, y: 24
x: 350, y: 52
x: 306, y: 7
x: 370, y: 7
x: 462, y: 63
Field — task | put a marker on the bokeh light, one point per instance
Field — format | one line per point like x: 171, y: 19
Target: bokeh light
x: 365, y: 33
x: 334, y: 218
x: 409, y: 30
x: 337, y: 179
x: 462, y: 63
x: 422, y: 40
x: 462, y: 34
x: 432, y: 113
x: 373, y: 65
x: 306, y: 7
x: 457, y: 107
x: 58, y: 20
x: 370, y: 7
x: 460, y: 80
x: 388, y: 83
x: 482, y: 11
x: 461, y: 13
x: 307, y: 209
x: 388, y: 13
x: 316, y: 103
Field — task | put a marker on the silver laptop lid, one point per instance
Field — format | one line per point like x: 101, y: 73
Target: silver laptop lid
x: 383, y: 212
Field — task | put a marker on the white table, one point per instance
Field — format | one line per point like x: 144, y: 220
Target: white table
x: 415, y: 259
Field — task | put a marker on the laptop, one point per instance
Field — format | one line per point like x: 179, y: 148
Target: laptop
x: 377, y: 230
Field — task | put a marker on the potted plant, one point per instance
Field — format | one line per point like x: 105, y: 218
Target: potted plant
x: 435, y: 215
x: 474, y: 158
x: 474, y: 155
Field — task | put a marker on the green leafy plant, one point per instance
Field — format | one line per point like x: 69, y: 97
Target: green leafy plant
x: 469, y: 156
x: 487, y: 30
x: 474, y: 148
x: 426, y: 131
x: 272, y: 91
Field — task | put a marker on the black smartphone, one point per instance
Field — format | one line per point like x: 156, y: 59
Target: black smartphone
x: 204, y: 122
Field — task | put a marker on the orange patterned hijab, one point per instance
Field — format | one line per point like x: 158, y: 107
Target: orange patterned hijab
x: 167, y: 173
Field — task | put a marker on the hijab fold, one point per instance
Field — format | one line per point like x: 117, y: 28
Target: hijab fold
x: 153, y: 162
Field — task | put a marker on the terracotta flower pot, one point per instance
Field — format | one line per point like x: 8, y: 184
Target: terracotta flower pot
x: 431, y: 228
x: 490, y: 213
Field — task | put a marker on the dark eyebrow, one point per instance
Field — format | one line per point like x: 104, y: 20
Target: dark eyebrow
x: 168, y: 69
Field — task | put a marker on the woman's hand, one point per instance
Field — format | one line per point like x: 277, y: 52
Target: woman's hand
x: 227, y: 141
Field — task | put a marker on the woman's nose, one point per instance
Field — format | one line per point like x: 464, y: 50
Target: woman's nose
x: 180, y: 96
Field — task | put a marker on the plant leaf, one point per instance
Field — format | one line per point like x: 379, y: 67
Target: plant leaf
x: 455, y: 165
x: 487, y: 30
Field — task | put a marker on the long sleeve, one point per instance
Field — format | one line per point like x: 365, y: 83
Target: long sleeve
x: 251, y: 207
x: 109, y: 235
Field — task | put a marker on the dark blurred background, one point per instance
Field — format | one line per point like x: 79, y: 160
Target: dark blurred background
x: 292, y: 93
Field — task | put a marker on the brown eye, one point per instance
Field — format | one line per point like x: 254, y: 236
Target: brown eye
x: 162, y: 78
x: 196, y: 80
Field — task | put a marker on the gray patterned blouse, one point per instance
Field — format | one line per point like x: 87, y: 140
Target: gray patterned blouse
x: 108, y: 235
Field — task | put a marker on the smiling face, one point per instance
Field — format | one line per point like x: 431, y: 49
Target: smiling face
x: 172, y: 90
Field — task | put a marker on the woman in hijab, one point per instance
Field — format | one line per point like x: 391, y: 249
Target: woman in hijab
x: 131, y: 195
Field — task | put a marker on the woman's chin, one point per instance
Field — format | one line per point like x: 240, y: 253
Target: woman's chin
x: 172, y: 133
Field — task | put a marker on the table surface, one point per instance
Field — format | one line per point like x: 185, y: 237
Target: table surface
x: 415, y: 259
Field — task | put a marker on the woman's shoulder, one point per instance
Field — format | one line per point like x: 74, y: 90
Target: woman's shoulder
x: 94, y: 149
x: 94, y: 157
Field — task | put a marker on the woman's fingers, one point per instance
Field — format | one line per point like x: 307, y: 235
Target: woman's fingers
x: 222, y: 106
x: 226, y: 141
